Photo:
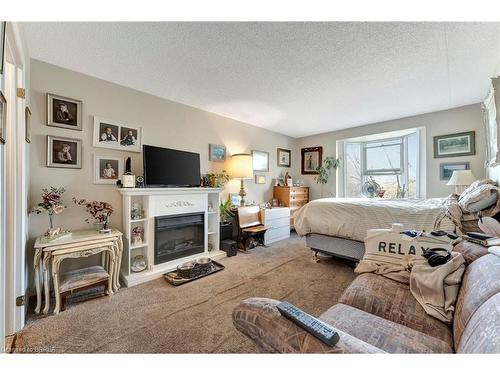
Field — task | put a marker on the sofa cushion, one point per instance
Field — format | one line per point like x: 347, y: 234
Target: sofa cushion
x: 393, y: 301
x: 381, y: 333
x: 482, y: 333
x: 479, y: 284
x: 470, y: 251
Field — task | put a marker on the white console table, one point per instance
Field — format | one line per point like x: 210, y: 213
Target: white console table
x: 162, y: 202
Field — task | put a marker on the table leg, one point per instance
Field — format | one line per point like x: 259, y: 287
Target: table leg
x: 55, y: 278
x: 36, y: 264
x: 111, y: 267
x: 46, y: 279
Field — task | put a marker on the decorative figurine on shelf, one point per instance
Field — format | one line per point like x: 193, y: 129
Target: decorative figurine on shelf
x: 100, y: 211
x: 128, y: 179
x: 136, y: 212
x: 52, y: 204
x: 137, y: 235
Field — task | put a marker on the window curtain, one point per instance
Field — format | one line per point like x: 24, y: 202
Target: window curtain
x: 491, y: 120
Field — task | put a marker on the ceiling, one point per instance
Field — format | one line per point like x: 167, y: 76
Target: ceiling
x: 297, y: 78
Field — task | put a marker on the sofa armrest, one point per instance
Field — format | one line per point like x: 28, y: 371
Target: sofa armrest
x: 260, y: 320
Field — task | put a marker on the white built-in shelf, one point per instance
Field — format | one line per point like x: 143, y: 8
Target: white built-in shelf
x: 138, y: 220
x: 139, y: 246
x: 212, y: 212
x: 209, y: 233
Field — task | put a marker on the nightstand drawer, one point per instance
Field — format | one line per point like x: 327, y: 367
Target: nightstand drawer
x: 274, y: 213
x: 277, y: 234
x: 278, y: 222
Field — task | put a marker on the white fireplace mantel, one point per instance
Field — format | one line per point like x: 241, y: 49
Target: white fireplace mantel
x: 161, y: 202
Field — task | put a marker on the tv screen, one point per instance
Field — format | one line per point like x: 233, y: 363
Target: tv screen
x: 170, y: 168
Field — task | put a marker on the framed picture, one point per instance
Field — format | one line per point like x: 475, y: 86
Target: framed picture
x: 3, y: 25
x: 64, y: 152
x: 64, y: 112
x: 235, y: 199
x: 116, y: 135
x: 3, y: 118
x: 260, y: 179
x: 216, y: 152
x: 107, y: 169
x: 311, y: 159
x: 459, y: 144
x: 27, y: 124
x: 284, y: 158
x: 260, y: 161
x: 447, y: 169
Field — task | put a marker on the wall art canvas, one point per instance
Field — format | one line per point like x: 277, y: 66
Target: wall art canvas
x: 217, y: 153
x: 311, y: 159
x: 260, y: 161
x: 116, y: 135
x: 447, y: 169
x: 284, y: 158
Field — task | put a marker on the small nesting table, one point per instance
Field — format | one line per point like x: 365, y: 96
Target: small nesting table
x: 81, y: 244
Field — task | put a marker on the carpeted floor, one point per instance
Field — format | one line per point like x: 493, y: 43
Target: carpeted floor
x: 156, y: 317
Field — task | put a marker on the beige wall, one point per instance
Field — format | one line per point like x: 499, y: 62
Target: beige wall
x: 164, y: 123
x: 437, y: 123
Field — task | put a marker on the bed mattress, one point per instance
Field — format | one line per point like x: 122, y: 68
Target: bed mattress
x: 352, y: 218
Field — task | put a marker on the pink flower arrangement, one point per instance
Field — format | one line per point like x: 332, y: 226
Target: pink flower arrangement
x: 100, y: 211
x: 51, y: 201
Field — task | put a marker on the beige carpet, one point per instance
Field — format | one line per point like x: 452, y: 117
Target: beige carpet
x: 156, y: 317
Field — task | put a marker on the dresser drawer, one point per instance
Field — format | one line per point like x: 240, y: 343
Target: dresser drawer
x: 275, y: 213
x: 277, y: 223
x: 299, y: 190
x: 273, y: 235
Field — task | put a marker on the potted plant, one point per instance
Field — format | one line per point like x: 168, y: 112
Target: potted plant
x: 330, y: 163
x: 100, y: 211
x: 51, y: 204
x: 218, y: 179
x: 225, y: 210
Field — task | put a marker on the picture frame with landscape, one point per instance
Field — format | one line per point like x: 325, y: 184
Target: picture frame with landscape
x: 284, y: 157
x: 114, y: 134
x: 447, y: 169
x: 452, y: 145
x: 107, y: 169
x: 216, y: 153
x: 63, y: 112
x: 64, y: 152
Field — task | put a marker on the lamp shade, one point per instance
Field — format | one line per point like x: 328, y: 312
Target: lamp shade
x: 241, y: 166
x: 461, y: 178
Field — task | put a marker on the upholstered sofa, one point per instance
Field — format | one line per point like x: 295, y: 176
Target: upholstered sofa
x: 379, y: 315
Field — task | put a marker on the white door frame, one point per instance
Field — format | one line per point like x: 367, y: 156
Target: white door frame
x: 16, y: 167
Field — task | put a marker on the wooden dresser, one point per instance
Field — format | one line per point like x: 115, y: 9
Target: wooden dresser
x: 293, y: 197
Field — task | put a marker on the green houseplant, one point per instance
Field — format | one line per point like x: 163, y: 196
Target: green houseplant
x: 225, y: 210
x: 218, y: 179
x: 330, y: 163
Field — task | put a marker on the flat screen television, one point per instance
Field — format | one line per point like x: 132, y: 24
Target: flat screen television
x: 164, y: 167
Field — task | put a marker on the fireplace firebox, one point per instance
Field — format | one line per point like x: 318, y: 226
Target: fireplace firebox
x: 178, y: 236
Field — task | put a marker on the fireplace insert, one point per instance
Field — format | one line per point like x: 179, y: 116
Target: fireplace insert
x: 178, y: 236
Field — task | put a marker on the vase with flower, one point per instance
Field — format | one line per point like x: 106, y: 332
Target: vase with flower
x: 100, y: 212
x: 52, y: 204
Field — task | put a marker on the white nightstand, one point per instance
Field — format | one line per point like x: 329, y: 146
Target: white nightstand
x: 277, y: 220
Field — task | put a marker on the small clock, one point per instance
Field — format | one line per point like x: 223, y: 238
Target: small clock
x: 139, y: 182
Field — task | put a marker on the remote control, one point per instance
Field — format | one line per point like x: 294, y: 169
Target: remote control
x: 312, y: 325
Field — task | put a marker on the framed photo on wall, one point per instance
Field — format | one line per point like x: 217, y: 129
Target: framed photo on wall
x: 107, y: 169
x: 116, y: 135
x: 216, y: 153
x: 64, y: 152
x: 260, y: 179
x: 3, y: 118
x: 284, y: 158
x: 260, y: 161
x: 27, y: 124
x: 458, y: 144
x: 447, y: 169
x: 311, y: 159
x: 64, y: 112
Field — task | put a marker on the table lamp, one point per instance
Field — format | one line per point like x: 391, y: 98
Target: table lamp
x: 461, y: 179
x: 241, y: 168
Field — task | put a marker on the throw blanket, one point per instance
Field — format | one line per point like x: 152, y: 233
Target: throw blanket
x: 435, y: 288
x: 352, y: 217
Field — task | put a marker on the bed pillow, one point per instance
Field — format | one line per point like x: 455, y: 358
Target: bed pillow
x: 479, y: 196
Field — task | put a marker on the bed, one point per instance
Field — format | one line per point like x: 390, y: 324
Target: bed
x: 338, y: 226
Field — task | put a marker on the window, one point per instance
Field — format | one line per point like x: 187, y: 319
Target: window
x: 392, y: 162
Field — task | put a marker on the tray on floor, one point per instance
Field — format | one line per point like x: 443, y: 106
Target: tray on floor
x: 173, y: 279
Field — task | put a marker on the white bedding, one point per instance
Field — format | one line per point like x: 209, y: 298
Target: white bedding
x: 352, y: 217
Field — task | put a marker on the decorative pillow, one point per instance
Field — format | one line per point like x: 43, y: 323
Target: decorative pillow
x: 479, y: 196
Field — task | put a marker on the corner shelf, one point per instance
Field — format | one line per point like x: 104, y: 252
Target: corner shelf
x: 145, y: 244
x: 138, y: 220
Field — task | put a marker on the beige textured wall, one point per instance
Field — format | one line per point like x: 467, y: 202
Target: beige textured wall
x: 437, y: 123
x: 164, y: 123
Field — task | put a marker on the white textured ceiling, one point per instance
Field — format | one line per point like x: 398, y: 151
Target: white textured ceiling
x: 293, y: 78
